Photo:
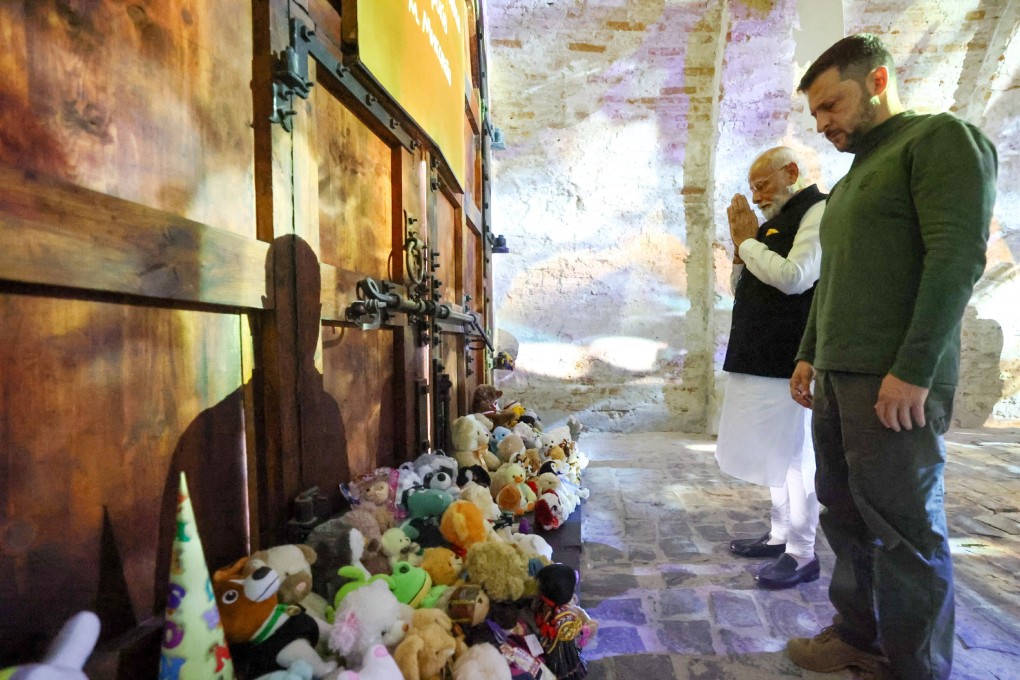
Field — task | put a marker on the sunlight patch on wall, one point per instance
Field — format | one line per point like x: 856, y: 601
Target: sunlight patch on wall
x: 568, y: 361
x: 631, y: 354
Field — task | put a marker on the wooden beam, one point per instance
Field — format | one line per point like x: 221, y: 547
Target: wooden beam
x: 78, y: 238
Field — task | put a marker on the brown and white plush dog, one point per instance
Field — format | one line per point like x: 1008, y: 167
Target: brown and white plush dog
x: 264, y: 635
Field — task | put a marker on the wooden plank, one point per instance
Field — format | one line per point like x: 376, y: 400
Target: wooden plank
x: 446, y: 231
x: 355, y: 170
x: 472, y: 212
x: 327, y: 21
x: 102, y: 406
x: 415, y: 357
x: 358, y: 372
x: 149, y: 102
x: 78, y: 238
x: 278, y: 467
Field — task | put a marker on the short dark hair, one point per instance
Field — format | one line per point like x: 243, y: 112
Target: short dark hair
x: 855, y: 56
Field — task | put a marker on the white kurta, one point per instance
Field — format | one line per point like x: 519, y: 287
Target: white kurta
x: 761, y: 429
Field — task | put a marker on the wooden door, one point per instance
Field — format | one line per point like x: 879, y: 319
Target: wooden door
x: 176, y: 285
x: 131, y: 279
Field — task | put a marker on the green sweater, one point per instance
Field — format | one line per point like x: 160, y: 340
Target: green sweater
x: 903, y: 242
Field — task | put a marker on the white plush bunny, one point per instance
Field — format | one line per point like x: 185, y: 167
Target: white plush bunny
x: 67, y: 654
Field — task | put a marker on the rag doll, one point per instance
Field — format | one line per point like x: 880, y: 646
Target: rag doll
x: 563, y: 627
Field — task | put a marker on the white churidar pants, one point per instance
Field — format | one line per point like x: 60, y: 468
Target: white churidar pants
x: 765, y: 438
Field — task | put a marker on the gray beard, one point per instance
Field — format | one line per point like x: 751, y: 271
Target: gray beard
x: 778, y: 201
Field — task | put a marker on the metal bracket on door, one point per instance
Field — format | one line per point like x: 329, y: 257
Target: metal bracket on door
x: 290, y: 77
x: 376, y: 300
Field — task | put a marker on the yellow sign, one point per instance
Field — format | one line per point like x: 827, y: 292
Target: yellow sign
x: 416, y: 50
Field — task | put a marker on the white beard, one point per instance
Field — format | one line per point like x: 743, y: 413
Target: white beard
x: 778, y: 201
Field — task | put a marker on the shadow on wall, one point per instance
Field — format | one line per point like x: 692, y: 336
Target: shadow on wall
x: 981, y: 382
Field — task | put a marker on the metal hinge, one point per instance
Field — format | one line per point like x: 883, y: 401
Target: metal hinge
x: 290, y: 75
x: 290, y: 78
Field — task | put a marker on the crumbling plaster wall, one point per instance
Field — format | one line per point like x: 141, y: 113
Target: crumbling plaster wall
x: 629, y: 124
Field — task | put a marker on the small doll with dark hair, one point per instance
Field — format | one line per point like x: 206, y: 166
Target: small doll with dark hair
x: 563, y: 627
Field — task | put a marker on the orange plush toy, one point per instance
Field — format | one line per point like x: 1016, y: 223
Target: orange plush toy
x: 265, y: 636
x: 463, y: 525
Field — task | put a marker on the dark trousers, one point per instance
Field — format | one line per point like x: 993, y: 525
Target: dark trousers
x: 882, y: 497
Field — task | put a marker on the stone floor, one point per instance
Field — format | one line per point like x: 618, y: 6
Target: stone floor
x: 672, y: 602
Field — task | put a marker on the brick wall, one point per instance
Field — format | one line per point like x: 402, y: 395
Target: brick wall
x: 629, y: 124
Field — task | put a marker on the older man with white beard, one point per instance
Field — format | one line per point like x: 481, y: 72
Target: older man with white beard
x: 763, y: 437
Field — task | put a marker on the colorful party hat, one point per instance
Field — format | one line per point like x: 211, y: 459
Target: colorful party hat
x: 193, y: 647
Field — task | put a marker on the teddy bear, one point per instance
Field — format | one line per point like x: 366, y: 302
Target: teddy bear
x: 527, y: 434
x: 264, y: 635
x: 554, y: 436
x: 443, y: 565
x: 531, y: 460
x: 509, y: 446
x: 368, y: 616
x: 378, y: 665
x: 375, y: 492
x: 398, y: 546
x: 463, y: 525
x: 499, y: 433
x: 499, y: 568
x: 486, y: 423
x: 481, y: 661
x: 471, y: 444
x: 67, y: 653
x: 427, y: 650
x: 482, y: 499
x: 484, y: 399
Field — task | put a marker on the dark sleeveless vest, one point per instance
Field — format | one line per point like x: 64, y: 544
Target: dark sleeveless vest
x: 767, y: 323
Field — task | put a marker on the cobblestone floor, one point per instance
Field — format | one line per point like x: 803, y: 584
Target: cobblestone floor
x: 672, y: 602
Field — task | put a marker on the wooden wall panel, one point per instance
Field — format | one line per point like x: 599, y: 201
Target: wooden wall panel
x: 453, y: 358
x: 355, y: 190
x: 358, y: 370
x: 100, y: 405
x: 447, y: 231
x: 149, y: 102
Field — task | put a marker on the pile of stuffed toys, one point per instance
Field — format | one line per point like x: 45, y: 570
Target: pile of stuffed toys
x: 433, y: 573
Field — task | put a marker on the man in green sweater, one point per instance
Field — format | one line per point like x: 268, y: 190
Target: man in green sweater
x: 903, y: 242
